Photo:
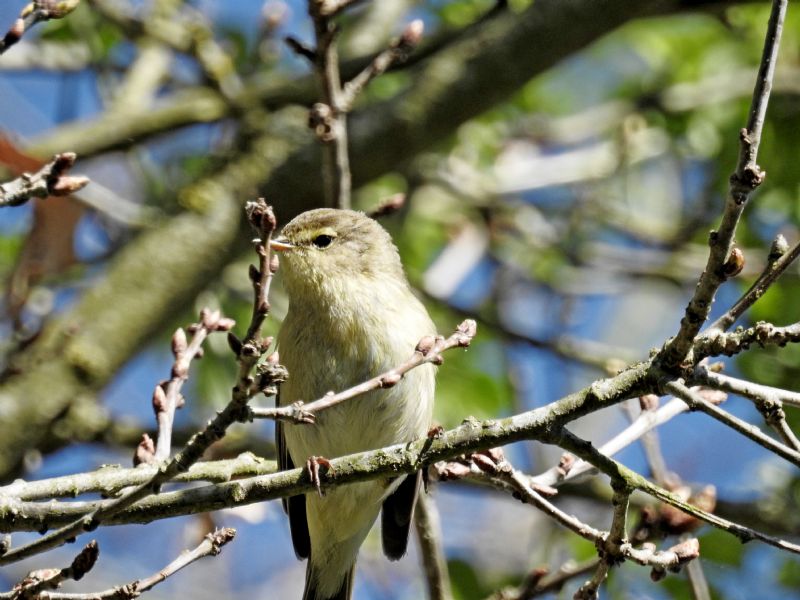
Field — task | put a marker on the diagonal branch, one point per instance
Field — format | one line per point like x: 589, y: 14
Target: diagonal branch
x: 697, y: 402
x: 428, y: 350
x: 744, y: 180
x: 35, y: 12
x: 776, y: 266
x: 210, y: 546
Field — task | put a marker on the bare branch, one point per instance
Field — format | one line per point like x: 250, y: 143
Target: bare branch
x: 52, y: 179
x: 36, y: 583
x: 610, y: 550
x: 780, y: 258
x: 109, y: 480
x: 746, y: 389
x: 210, y: 546
x: 768, y: 400
x: 746, y: 178
x: 614, y: 469
x: 428, y: 350
x: 697, y: 402
x: 396, y: 53
x: 429, y: 536
x: 167, y: 396
x: 249, y: 351
x: 538, y: 582
x: 716, y: 343
x: 33, y: 13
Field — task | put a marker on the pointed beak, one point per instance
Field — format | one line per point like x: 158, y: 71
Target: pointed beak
x: 280, y: 245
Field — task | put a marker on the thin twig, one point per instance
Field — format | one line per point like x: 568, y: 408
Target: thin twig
x: 397, y: 52
x: 646, y: 421
x: 167, y: 396
x: 697, y: 402
x: 36, y: 584
x: 746, y: 178
x: 612, y: 468
x: 51, y: 180
x: 428, y: 350
x: 210, y: 546
x: 610, y: 550
x: 429, y: 535
x: 746, y: 389
x: 776, y: 266
x: 33, y: 13
x: 249, y: 351
x: 768, y: 400
x: 328, y: 118
x: 325, y: 118
x: 716, y: 343
x: 611, y: 544
x: 539, y: 582
x: 697, y: 581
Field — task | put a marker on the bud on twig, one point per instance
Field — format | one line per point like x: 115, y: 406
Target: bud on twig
x: 145, y: 451
x: 179, y: 342
x: 735, y: 263
x: 778, y: 248
x: 412, y: 34
x: 159, y: 400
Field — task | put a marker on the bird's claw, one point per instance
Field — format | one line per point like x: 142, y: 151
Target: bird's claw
x: 312, y: 466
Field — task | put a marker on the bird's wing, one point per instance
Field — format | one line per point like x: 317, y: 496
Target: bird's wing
x: 295, y: 506
x: 396, y: 516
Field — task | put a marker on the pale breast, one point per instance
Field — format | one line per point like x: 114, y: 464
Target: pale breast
x: 325, y: 352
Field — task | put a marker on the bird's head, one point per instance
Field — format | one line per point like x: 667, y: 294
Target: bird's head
x: 324, y: 250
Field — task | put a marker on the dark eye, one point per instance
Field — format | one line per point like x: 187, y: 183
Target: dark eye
x: 322, y: 241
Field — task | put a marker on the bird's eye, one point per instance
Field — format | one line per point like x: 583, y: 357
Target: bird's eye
x: 322, y: 241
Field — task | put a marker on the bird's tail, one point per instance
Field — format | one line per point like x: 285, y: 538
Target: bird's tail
x: 314, y: 591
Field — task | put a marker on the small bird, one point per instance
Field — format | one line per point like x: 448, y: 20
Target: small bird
x: 352, y: 316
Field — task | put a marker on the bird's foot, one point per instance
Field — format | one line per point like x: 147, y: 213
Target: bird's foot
x: 313, y: 465
x: 435, y: 432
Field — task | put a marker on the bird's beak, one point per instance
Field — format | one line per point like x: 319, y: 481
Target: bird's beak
x: 280, y: 245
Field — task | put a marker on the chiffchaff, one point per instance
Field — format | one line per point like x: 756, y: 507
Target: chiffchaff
x: 351, y: 316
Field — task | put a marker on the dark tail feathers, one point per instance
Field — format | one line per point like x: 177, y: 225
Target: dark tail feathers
x: 344, y: 592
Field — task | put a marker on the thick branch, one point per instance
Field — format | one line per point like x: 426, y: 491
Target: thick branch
x: 110, y: 480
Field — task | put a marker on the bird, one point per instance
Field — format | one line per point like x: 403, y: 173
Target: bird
x: 352, y: 315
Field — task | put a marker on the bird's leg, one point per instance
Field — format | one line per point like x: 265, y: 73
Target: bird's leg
x: 312, y: 465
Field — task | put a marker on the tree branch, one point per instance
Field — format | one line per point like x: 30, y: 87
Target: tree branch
x: 746, y: 178
x: 110, y: 480
x: 51, y: 180
x: 429, y: 536
x: 428, y: 350
x: 696, y: 402
x: 33, y: 13
x: 780, y: 258
x: 210, y: 546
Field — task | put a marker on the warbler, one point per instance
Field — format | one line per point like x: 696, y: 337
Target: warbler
x: 352, y: 315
